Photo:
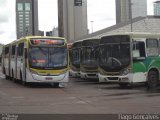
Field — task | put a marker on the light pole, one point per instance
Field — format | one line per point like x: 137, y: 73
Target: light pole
x: 130, y: 13
x: 92, y: 26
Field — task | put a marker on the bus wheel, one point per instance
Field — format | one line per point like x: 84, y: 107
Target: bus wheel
x: 123, y: 85
x: 7, y: 77
x: 14, y: 80
x: 23, y: 81
x: 55, y: 85
x: 152, y: 80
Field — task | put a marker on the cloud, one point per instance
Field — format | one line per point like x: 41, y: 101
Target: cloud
x: 3, y: 2
x: 102, y: 13
x: 4, y: 18
x: 7, y: 21
x: 4, y: 12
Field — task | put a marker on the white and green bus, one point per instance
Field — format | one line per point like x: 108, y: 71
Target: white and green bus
x: 130, y: 58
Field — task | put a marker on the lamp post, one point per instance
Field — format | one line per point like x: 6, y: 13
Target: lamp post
x: 130, y: 13
x: 92, y: 26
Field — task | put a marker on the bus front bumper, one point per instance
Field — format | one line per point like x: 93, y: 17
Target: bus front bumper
x: 89, y: 75
x: 118, y: 79
x: 62, y: 78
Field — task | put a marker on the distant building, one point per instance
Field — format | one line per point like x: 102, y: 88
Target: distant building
x: 148, y: 24
x: 157, y: 8
x: 49, y: 33
x: 1, y: 46
x: 41, y: 33
x: 55, y: 32
x: 26, y: 17
x: 127, y: 9
x: 72, y: 19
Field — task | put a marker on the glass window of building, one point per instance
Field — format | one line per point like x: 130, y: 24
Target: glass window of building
x: 27, y: 6
x: 27, y: 13
x: 20, y: 25
x: 27, y: 22
x: 20, y: 19
x: 20, y: 15
x: 27, y: 19
x: 20, y: 7
x: 20, y: 22
x: 27, y: 16
x: 20, y: 12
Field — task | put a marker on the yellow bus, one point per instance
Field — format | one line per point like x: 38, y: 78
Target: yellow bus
x: 36, y: 59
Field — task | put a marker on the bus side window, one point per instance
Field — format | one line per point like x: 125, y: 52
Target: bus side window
x: 6, y: 52
x: 13, y: 50
x: 139, y: 49
x: 152, y: 47
x: 20, y: 49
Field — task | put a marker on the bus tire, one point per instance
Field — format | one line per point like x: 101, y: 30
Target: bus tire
x: 152, y: 81
x: 7, y: 77
x: 14, y: 80
x: 23, y: 81
x: 123, y: 85
x: 55, y: 85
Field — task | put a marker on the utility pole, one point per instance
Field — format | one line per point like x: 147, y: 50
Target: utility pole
x: 130, y: 14
x: 92, y: 26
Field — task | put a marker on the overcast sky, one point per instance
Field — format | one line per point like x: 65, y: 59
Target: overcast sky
x: 101, y: 12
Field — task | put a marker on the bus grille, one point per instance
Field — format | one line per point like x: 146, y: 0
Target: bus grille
x: 113, y: 78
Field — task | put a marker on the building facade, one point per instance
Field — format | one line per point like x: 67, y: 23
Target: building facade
x: 148, y: 24
x: 55, y: 32
x: 72, y: 19
x: 26, y: 18
x: 127, y: 9
x: 157, y: 8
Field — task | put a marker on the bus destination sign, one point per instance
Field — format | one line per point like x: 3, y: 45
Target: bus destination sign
x: 47, y: 42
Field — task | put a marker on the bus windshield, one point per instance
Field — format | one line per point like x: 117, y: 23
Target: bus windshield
x: 48, y: 58
x: 90, y: 56
x: 76, y: 57
x: 114, y: 53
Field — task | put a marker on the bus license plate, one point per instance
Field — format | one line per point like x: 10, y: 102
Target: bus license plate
x: 49, y: 78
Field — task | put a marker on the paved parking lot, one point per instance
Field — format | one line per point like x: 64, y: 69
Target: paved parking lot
x: 79, y: 97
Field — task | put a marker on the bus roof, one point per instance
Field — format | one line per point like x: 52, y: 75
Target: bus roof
x: 136, y: 34
x: 29, y: 37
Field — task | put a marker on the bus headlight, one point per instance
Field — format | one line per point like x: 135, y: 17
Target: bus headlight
x: 125, y: 72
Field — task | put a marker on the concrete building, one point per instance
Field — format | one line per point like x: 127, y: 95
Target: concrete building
x: 72, y: 19
x: 157, y: 8
x: 148, y: 24
x: 26, y: 17
x: 55, y: 32
x: 127, y: 9
x: 1, y: 47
